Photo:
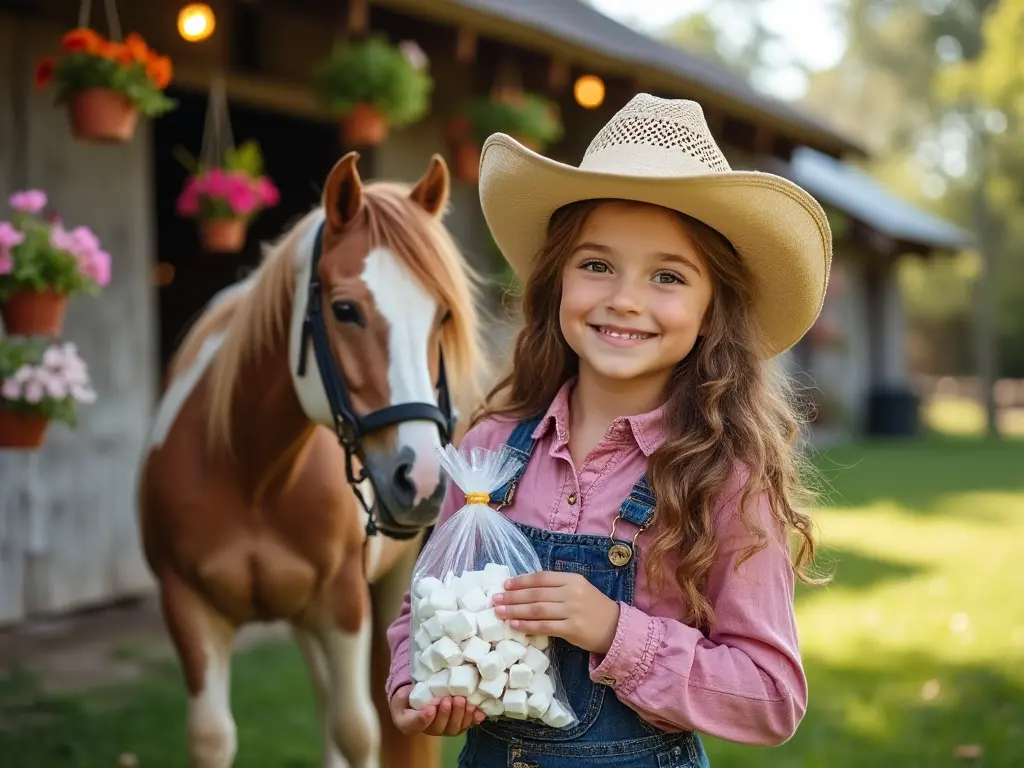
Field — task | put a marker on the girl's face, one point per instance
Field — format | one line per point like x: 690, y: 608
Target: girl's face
x: 635, y: 292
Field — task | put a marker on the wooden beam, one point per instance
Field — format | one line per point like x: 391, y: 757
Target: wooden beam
x: 358, y: 16
x: 558, y: 73
x: 465, y: 45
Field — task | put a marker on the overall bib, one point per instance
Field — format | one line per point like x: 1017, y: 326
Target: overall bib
x: 608, y: 734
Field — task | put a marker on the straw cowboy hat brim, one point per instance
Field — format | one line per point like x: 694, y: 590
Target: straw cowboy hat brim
x: 776, y: 227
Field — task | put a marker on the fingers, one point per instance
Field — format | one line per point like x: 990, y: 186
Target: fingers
x: 550, y: 627
x: 528, y: 595
x: 532, y: 611
x: 440, y: 723
x: 538, y: 579
x: 454, y: 715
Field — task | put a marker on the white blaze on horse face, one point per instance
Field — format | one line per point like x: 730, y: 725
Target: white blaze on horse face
x: 410, y: 311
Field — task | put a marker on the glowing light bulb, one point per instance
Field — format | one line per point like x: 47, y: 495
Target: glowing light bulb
x: 196, y: 22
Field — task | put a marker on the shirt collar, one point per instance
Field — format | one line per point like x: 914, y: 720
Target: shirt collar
x: 646, y: 428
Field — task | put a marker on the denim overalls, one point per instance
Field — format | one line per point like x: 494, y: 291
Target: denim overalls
x: 609, y: 734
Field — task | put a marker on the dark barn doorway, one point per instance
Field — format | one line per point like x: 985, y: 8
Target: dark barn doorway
x: 297, y: 155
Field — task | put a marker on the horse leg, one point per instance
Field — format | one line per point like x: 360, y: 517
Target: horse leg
x: 316, y: 664
x: 399, y: 750
x: 203, y: 640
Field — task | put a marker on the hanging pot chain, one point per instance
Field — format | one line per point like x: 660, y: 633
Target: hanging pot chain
x: 113, y: 22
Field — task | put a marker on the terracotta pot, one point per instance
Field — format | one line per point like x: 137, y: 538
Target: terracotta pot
x: 222, y: 235
x: 31, y: 313
x: 466, y: 161
x: 22, y: 431
x: 102, y: 115
x: 364, y: 126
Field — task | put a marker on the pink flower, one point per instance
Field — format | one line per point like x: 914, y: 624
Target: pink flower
x: 85, y: 240
x: 11, y: 389
x: 216, y: 183
x: 9, y: 236
x: 413, y: 54
x: 56, y: 387
x: 28, y: 201
x: 6, y: 264
x: 242, y: 200
x: 34, y: 392
x: 83, y: 394
x: 24, y: 374
x: 188, y: 200
x: 267, y: 192
x: 96, y: 266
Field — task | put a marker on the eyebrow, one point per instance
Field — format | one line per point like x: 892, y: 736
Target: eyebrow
x: 663, y: 255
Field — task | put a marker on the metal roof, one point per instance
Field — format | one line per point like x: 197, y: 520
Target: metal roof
x: 579, y: 24
x: 855, y: 193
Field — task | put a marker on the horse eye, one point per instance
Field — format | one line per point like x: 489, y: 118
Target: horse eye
x: 347, y: 312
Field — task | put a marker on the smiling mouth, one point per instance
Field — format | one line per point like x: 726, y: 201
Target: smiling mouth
x: 622, y: 334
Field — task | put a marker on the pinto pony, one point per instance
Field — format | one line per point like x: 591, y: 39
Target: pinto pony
x: 318, y: 383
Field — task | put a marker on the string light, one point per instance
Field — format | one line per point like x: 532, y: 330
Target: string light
x: 196, y: 22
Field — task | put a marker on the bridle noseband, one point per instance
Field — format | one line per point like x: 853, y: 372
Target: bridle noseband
x: 351, y: 427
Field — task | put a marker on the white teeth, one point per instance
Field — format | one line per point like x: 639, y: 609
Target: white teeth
x: 617, y: 335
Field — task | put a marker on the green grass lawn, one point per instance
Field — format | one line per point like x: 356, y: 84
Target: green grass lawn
x: 915, y: 649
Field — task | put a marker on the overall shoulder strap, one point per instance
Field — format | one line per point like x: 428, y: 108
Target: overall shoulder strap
x: 638, y: 508
x: 521, y: 442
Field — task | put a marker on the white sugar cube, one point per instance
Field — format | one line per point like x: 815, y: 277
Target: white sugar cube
x: 536, y: 659
x: 471, y: 578
x: 461, y: 625
x: 424, y: 608
x: 515, y: 634
x: 492, y: 707
x: 496, y: 575
x: 474, y: 649
x: 420, y: 671
x: 493, y: 687
x: 476, y: 698
x: 490, y: 592
x: 464, y: 680
x: 423, y: 638
x: 542, y: 684
x: 433, y: 627
x: 540, y: 642
x: 510, y: 651
x: 537, y: 704
x: 474, y: 599
x: 425, y: 586
x: 491, y: 665
x: 420, y: 696
x: 432, y: 659
x: 489, y: 626
x: 443, y: 616
x: 443, y: 599
x: 519, y: 676
x: 448, y: 650
x: 557, y: 716
x: 438, y: 682
x: 515, y: 704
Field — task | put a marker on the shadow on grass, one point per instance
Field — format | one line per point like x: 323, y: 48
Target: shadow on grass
x: 855, y: 571
x: 919, y: 473
x: 879, y: 714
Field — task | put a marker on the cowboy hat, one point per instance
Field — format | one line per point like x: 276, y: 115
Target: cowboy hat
x: 661, y: 151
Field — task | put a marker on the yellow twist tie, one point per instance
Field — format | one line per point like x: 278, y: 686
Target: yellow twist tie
x: 478, y: 497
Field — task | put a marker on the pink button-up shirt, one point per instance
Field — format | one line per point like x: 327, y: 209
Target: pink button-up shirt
x: 743, y: 682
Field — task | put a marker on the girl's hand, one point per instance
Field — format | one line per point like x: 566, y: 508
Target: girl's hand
x: 448, y: 717
x: 562, y: 605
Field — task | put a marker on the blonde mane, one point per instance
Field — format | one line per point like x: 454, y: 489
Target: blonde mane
x: 261, y: 316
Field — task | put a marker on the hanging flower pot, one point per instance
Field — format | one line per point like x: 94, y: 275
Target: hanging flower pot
x: 22, y: 431
x: 102, y: 115
x: 30, y: 312
x: 223, y: 235
x: 225, y: 199
x: 41, y: 264
x: 374, y: 86
x: 106, y: 84
x: 39, y: 383
x: 364, y: 126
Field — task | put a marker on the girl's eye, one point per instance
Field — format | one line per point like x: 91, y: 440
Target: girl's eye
x: 594, y: 266
x: 667, y: 278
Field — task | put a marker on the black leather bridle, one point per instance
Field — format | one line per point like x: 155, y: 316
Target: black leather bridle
x: 349, y: 426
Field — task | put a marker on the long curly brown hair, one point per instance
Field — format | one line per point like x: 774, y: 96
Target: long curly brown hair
x: 728, y: 407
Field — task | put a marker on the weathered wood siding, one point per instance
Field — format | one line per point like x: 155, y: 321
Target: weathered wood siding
x: 67, y: 514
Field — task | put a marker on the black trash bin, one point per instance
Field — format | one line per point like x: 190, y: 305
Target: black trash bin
x: 893, y: 412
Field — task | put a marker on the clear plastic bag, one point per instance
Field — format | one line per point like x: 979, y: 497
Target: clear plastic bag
x: 459, y: 647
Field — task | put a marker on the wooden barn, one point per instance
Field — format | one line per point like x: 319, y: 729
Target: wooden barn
x: 68, y: 536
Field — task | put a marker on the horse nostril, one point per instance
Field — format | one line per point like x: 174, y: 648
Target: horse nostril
x: 404, y: 487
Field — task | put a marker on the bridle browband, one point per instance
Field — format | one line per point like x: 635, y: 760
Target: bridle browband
x: 351, y: 427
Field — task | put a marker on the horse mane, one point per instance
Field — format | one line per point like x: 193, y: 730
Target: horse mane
x: 261, y: 316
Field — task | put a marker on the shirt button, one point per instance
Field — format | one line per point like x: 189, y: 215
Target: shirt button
x: 572, y: 498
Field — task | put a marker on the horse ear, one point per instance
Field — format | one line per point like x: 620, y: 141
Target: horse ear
x: 431, y: 191
x: 343, y: 193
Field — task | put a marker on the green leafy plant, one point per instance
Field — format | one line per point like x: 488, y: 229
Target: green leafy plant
x: 524, y: 116
x: 37, y: 253
x: 130, y: 68
x: 44, y: 379
x: 394, y: 79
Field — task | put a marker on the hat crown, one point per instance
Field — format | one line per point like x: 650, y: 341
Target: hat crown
x: 675, y: 130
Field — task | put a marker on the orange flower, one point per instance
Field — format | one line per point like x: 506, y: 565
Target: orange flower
x: 44, y: 73
x: 82, y: 39
x: 137, y: 48
x: 159, y: 70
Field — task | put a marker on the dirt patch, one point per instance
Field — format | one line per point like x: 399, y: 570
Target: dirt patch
x: 114, y: 644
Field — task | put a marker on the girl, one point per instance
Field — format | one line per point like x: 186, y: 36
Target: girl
x: 661, y: 482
